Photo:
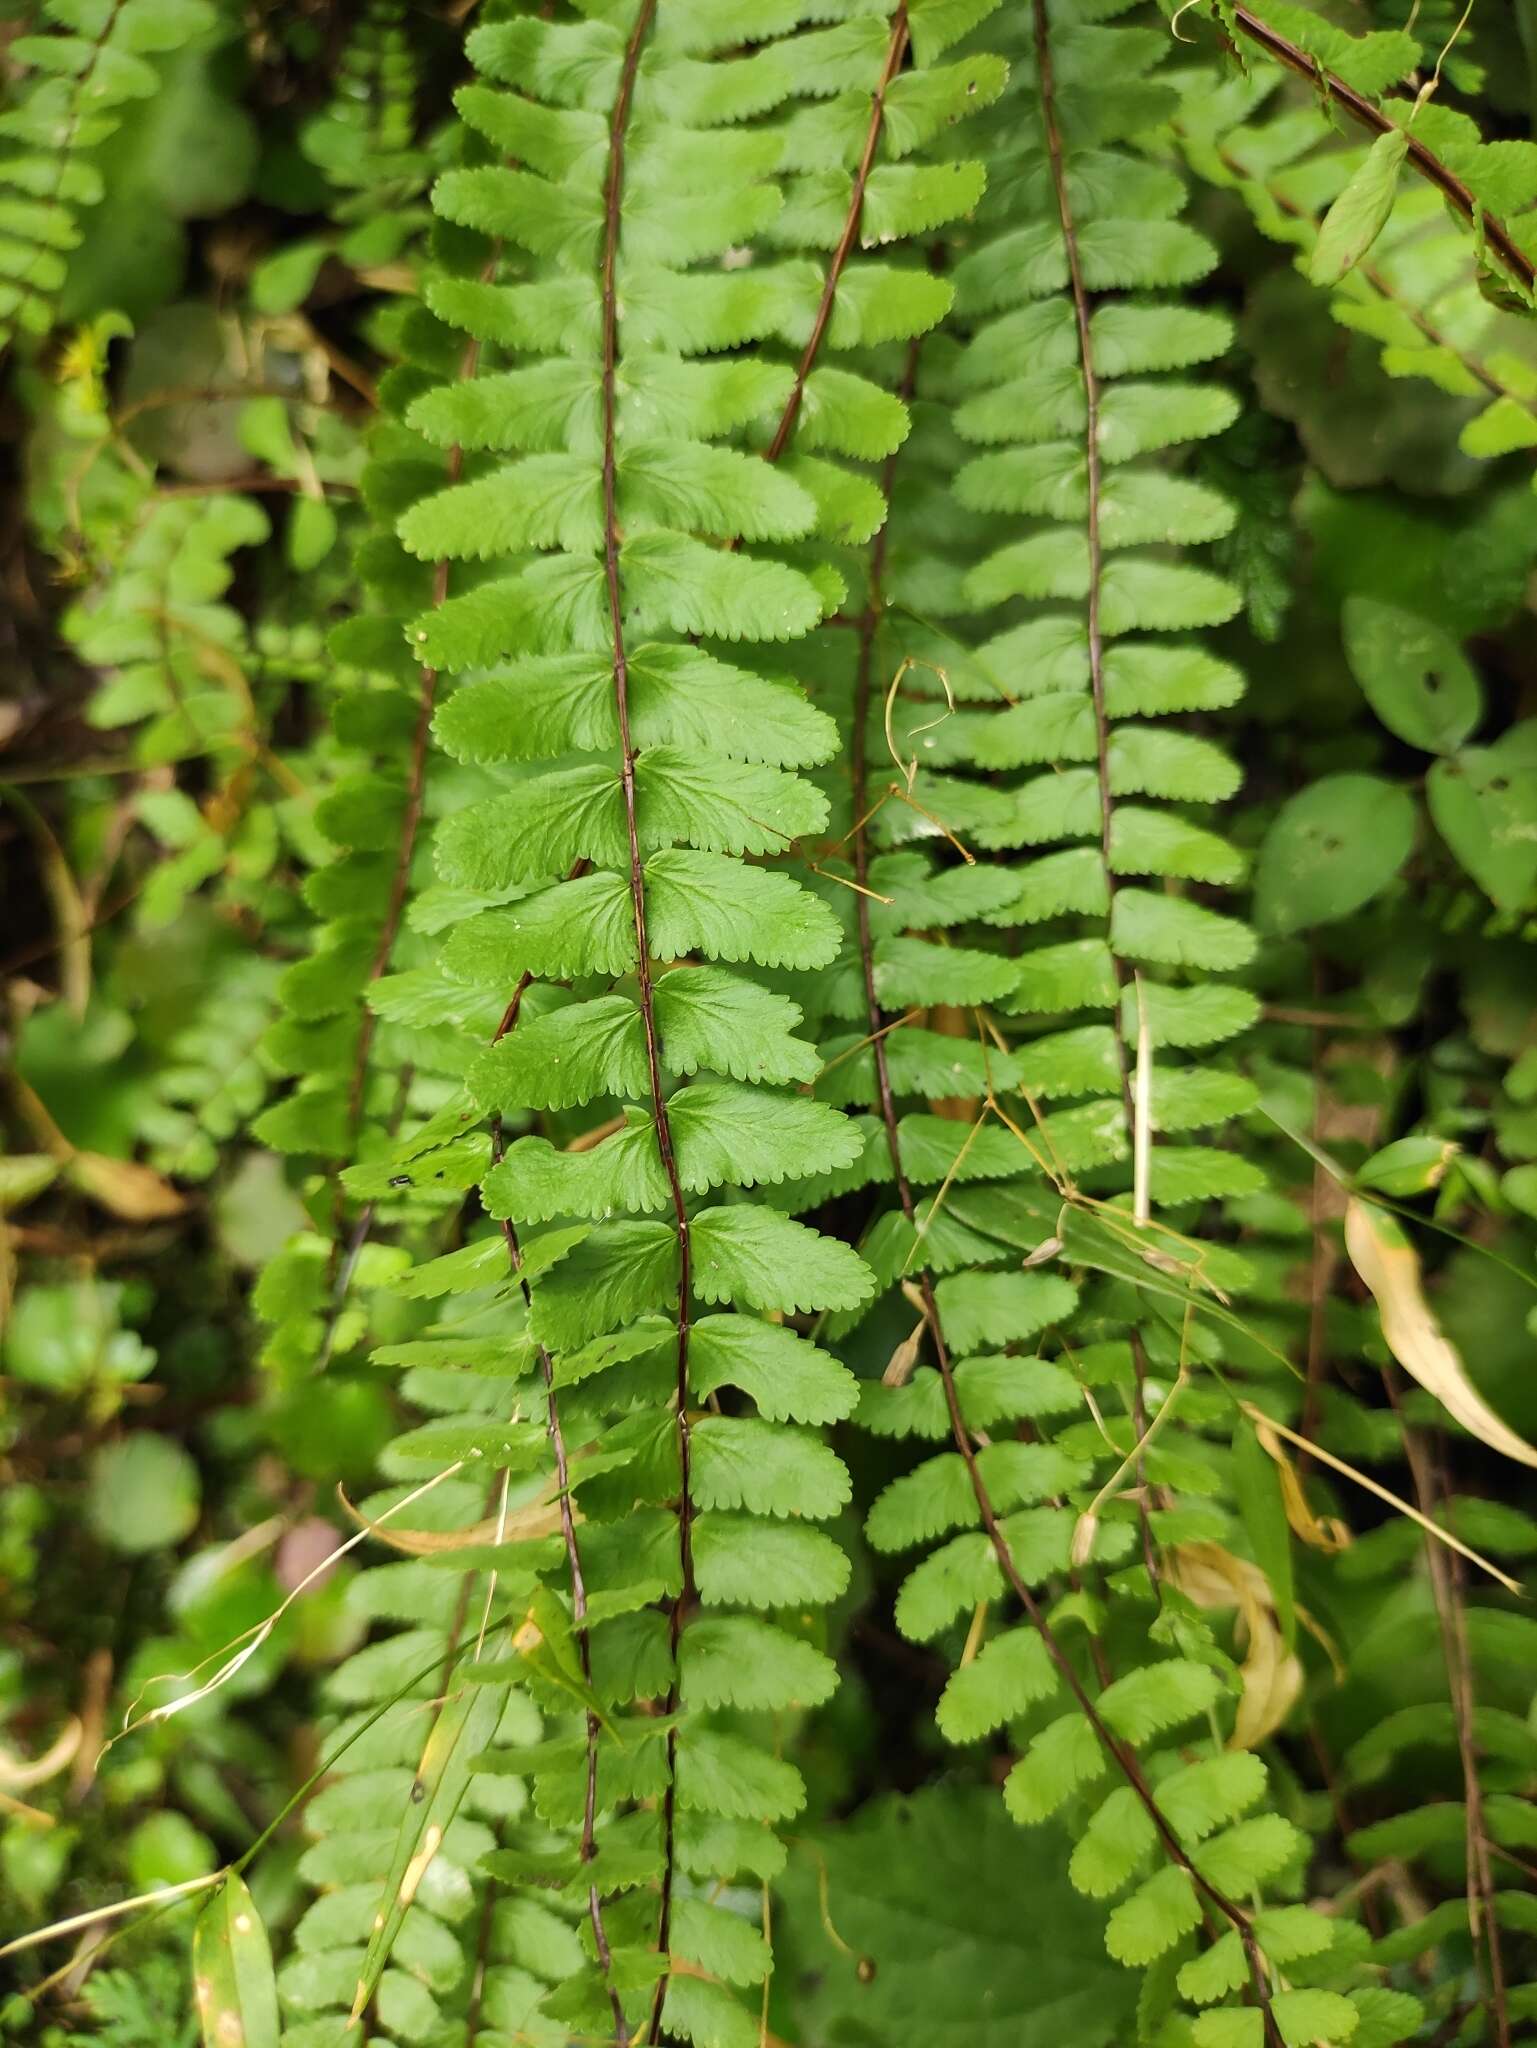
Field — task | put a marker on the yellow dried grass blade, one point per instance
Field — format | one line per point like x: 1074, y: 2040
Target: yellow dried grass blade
x: 1262, y: 1422
x: 1385, y: 1259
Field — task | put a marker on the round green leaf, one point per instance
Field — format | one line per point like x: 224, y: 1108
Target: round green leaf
x: 196, y: 149
x: 1332, y: 848
x: 1409, y: 1166
x: 62, y: 1338
x: 143, y: 1493
x: 1024, y: 1954
x: 1413, y: 674
x: 311, y: 533
x: 282, y: 281
x: 167, y: 1849
x: 1484, y: 803
x: 333, y: 1429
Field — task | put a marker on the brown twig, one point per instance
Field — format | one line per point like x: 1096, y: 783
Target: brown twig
x: 1056, y: 156
x: 1323, y: 1258
x: 1124, y: 1759
x: 613, y: 199
x: 896, y: 50
x: 574, y: 1571
x: 483, y: 1937
x: 1448, y: 1587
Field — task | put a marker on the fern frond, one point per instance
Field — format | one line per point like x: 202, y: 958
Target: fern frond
x: 1085, y: 693
x: 88, y: 64
x: 1417, y: 293
x: 598, y: 542
x: 364, y: 144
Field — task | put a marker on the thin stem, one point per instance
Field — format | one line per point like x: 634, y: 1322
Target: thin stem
x: 1370, y: 275
x: 1322, y: 1263
x: 578, y: 1583
x: 1448, y: 1587
x: 482, y: 1962
x: 416, y: 789
x: 1124, y: 1758
x: 613, y: 198
x: 1094, y: 480
x: 574, y: 1572
x: 896, y: 50
x: 165, y: 1895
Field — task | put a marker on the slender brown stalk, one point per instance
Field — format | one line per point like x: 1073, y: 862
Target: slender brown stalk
x: 896, y: 50
x: 574, y: 1573
x: 416, y: 790
x: 1324, y: 1257
x: 578, y: 1583
x: 1124, y: 1758
x: 1094, y: 479
x: 1447, y: 1585
x: 483, y: 1935
x: 1425, y: 161
x: 613, y: 200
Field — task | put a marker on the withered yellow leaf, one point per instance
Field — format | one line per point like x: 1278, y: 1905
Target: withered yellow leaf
x: 136, y: 1193
x: 1390, y: 1266
x: 523, y: 1525
x: 1271, y: 1674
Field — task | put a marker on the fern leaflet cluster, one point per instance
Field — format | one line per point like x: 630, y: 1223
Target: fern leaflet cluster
x: 1418, y: 292
x: 1058, y: 378
x: 89, y: 67
x: 614, y: 595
